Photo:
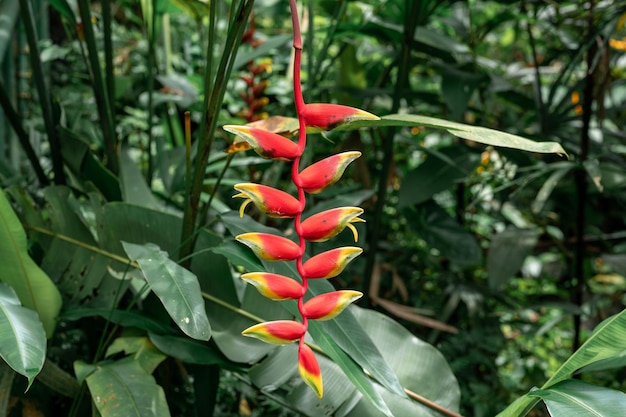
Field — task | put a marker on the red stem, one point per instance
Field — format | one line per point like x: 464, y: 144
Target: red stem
x: 295, y: 169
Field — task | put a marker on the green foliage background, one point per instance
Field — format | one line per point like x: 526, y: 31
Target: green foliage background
x: 498, y: 256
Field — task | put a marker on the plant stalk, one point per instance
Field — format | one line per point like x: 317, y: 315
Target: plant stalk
x: 28, y: 18
x: 100, y: 89
x: 14, y: 119
x: 578, y: 290
x: 211, y: 114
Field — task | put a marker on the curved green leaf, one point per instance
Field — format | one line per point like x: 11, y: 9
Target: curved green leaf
x: 64, y: 9
x: 177, y: 288
x: 414, y: 362
x: 22, y: 338
x: 33, y: 287
x: 125, y: 389
x: 607, y: 340
x: 439, y: 171
x: 572, y: 398
x: 125, y: 318
x: 507, y: 253
x: 468, y: 132
x: 189, y: 351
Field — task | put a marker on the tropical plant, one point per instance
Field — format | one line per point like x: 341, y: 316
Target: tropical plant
x: 121, y: 281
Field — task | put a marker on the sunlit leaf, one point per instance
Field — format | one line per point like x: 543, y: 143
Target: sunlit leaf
x: 177, y: 288
x: 22, y: 338
x: 507, y: 253
x: 33, y: 287
x: 125, y: 389
x: 572, y: 398
x: 474, y: 133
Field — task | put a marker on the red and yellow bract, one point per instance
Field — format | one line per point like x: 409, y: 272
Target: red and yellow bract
x: 326, y: 172
x: 325, y: 225
x: 270, y: 247
x: 266, y: 144
x: 331, y: 263
x: 329, y: 305
x: 277, y: 332
x: 275, y: 286
x: 273, y: 202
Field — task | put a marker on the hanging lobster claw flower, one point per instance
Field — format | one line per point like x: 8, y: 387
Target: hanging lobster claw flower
x: 279, y: 332
x: 266, y: 144
x: 273, y: 202
x: 329, y: 305
x: 274, y: 286
x: 328, y: 224
x: 326, y: 172
x: 270, y: 247
x: 327, y: 116
x: 331, y: 263
x: 309, y: 369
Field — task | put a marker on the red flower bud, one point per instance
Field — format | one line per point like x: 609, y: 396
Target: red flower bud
x: 326, y: 172
x: 267, y: 144
x: 273, y: 202
x: 327, y: 116
x: 277, y: 332
x: 270, y: 247
x: 309, y: 369
x: 328, y: 224
x: 331, y: 263
x: 329, y: 305
x: 274, y: 286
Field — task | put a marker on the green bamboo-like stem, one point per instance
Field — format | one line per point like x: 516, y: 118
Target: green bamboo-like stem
x: 412, y: 8
x: 211, y: 114
x: 14, y: 119
x: 580, y: 177
x: 45, y: 101
x: 109, y: 77
x: 152, y: 68
x: 103, y: 101
x: 339, y: 13
x: 537, y: 81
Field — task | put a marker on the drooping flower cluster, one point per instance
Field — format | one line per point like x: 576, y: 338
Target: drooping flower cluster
x: 316, y: 228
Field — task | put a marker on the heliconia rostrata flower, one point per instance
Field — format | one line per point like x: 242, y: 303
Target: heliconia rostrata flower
x: 315, y: 228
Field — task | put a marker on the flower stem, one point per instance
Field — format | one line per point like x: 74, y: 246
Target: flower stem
x: 295, y: 169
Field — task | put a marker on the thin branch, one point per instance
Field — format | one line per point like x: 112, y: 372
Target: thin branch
x: 42, y: 91
x: 22, y: 136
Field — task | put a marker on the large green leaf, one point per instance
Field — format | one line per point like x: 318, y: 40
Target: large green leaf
x: 177, y: 288
x: 189, y: 351
x: 22, y: 337
x: 414, y: 362
x: 439, y: 172
x: 572, y: 398
x: 132, y: 318
x: 33, y: 287
x: 354, y: 371
x: 444, y: 233
x: 134, y: 187
x: 607, y: 341
x: 473, y: 133
x: 125, y: 389
x: 507, y: 253
x: 80, y: 273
